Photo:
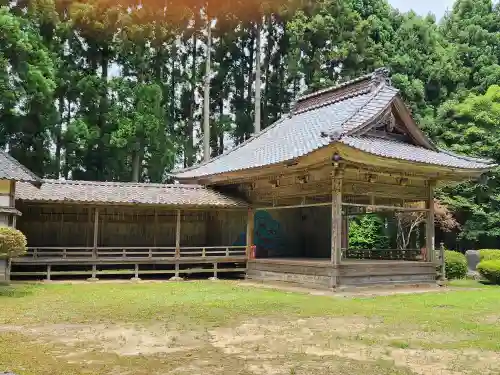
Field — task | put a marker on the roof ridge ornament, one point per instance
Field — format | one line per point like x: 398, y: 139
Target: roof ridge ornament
x: 381, y: 76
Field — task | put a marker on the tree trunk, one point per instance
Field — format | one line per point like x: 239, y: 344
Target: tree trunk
x: 257, y: 77
x: 103, y: 110
x: 206, y: 102
x: 57, y: 168
x: 190, y: 150
x: 66, y: 165
x: 267, y: 72
x: 221, y: 133
x: 137, y: 162
x: 250, y: 69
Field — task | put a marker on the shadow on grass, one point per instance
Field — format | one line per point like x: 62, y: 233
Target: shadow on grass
x: 17, y: 290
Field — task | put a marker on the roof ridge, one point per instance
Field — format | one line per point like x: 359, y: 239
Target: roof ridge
x: 333, y: 101
x: 123, y: 183
x: 379, y: 73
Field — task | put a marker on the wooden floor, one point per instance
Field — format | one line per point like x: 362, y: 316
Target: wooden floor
x: 325, y: 261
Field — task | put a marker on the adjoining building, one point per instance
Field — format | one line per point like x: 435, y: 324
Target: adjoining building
x: 276, y: 207
x: 11, y: 172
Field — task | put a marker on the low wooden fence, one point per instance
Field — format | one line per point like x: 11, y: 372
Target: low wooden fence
x: 47, y: 262
x: 75, y: 253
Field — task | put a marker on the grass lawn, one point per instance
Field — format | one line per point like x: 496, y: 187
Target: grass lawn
x: 227, y: 328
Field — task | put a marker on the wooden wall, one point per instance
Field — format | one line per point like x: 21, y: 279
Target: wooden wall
x: 73, y: 226
x: 225, y: 228
x: 48, y: 226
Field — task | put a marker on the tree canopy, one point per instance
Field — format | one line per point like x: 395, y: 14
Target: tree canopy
x: 112, y: 90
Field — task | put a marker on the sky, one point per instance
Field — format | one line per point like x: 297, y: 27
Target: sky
x: 422, y: 7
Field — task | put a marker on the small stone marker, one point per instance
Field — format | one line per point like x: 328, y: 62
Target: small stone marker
x: 472, y: 257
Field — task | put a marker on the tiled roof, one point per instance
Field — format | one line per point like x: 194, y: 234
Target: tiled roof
x: 11, y: 169
x: 399, y: 150
x: 124, y: 193
x: 319, y: 119
x: 9, y: 210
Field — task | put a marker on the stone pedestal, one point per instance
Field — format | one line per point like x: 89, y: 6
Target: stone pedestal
x: 4, y: 271
x: 472, y: 257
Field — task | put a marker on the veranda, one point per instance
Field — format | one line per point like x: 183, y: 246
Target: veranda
x: 96, y: 238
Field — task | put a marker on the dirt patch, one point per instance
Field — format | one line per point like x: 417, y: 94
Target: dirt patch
x: 263, y: 346
x: 342, y: 339
x: 125, y: 340
x: 491, y: 319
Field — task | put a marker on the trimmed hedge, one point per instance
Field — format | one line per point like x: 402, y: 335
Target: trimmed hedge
x: 489, y: 254
x: 456, y: 265
x: 12, y: 242
x: 490, y: 270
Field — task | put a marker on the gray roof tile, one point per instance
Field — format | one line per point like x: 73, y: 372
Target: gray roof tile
x: 338, y: 112
x: 399, y: 150
x: 11, y: 169
x: 287, y: 139
x: 124, y: 193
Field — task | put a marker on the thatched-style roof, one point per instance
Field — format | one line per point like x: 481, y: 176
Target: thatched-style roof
x: 11, y: 169
x: 93, y: 192
x: 338, y: 114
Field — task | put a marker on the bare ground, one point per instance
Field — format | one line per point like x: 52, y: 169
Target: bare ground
x: 264, y: 347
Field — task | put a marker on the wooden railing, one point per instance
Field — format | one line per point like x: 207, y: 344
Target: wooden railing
x: 134, y: 252
x: 379, y: 254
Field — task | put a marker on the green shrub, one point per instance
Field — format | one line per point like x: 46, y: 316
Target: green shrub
x: 490, y: 270
x: 12, y: 242
x: 456, y: 265
x: 489, y: 254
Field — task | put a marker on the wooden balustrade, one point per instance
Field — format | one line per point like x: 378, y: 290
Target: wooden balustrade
x: 86, y: 253
x: 383, y: 254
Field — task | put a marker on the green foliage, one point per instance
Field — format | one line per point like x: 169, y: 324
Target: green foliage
x: 489, y: 254
x: 26, y: 88
x: 12, y: 242
x: 367, y: 233
x: 471, y: 127
x: 456, y: 265
x: 490, y: 270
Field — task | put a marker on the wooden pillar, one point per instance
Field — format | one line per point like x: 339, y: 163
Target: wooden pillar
x: 177, y: 276
x: 345, y: 232
x: 250, y: 231
x: 136, y: 273
x: 443, y: 262
x: 214, y: 277
x: 430, y: 228
x: 155, y: 228
x: 178, y: 235
x: 48, y: 272
x: 96, y: 231
x: 337, y: 217
x: 94, y: 273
